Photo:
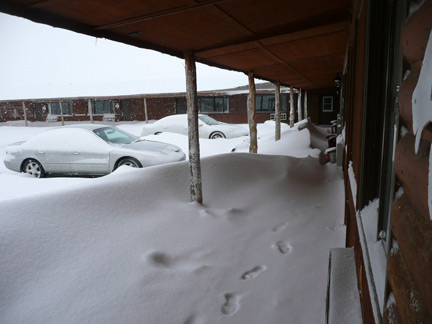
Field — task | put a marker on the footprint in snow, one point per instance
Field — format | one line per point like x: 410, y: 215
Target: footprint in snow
x: 282, y: 247
x: 231, y: 305
x: 253, y: 273
x: 160, y: 259
x: 191, y: 320
x: 280, y: 227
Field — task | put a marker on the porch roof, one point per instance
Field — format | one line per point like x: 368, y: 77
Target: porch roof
x: 298, y: 43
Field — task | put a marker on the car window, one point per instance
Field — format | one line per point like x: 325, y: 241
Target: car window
x: 115, y: 135
x: 208, y: 120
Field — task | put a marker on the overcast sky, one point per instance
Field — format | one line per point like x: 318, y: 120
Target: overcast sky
x: 39, y: 61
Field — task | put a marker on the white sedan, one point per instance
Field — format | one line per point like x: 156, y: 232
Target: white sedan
x: 86, y: 150
x: 208, y: 127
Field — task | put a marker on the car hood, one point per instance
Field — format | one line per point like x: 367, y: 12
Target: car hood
x: 16, y: 143
x: 152, y: 146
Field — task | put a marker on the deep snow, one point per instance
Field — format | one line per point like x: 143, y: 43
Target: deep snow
x: 130, y: 247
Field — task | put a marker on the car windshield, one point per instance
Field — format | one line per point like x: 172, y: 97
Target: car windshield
x: 208, y: 120
x: 115, y: 135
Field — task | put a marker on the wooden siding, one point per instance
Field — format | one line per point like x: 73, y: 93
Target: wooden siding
x: 409, y: 268
x: 408, y: 296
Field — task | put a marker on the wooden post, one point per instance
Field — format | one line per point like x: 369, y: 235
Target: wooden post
x: 299, y: 105
x: 251, y: 105
x: 277, y: 112
x: 25, y: 113
x: 145, y: 110
x: 61, y: 112
x: 292, y: 115
x: 305, y: 106
x: 90, y: 111
x: 193, y: 135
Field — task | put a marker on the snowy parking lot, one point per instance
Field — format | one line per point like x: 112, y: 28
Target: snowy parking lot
x: 129, y: 247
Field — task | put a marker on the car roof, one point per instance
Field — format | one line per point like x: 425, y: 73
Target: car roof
x: 87, y: 126
x: 178, y: 116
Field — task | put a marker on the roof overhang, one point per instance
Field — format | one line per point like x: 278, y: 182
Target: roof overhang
x: 298, y: 43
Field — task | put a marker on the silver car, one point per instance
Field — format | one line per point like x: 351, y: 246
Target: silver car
x: 86, y: 150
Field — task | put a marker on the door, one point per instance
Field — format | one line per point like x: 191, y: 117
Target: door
x: 88, y: 154
x: 126, y: 110
x: 39, y: 109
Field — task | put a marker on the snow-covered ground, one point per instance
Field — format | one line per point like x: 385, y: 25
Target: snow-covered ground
x: 130, y: 247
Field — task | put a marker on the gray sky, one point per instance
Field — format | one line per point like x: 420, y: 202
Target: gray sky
x: 39, y: 61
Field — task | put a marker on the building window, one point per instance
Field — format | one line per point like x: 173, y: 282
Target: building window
x: 54, y: 108
x: 213, y: 104
x: 327, y: 104
x: 267, y: 102
x: 100, y: 107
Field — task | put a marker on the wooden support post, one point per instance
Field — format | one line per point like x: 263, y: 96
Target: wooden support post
x: 277, y: 112
x: 145, y: 110
x: 299, y: 105
x: 25, y: 113
x: 251, y: 105
x: 61, y: 112
x: 90, y: 110
x: 305, y: 106
x: 292, y: 114
x: 193, y: 135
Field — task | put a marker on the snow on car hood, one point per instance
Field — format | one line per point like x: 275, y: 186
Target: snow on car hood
x: 145, y: 145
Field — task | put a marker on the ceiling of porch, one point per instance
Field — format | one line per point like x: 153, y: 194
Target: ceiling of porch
x: 298, y: 43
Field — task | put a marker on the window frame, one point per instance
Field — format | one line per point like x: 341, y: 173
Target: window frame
x: 66, y: 112
x: 93, y: 107
x: 324, y: 104
x: 225, y: 103
x: 259, y: 99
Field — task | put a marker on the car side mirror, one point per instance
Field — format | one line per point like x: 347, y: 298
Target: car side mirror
x: 200, y: 124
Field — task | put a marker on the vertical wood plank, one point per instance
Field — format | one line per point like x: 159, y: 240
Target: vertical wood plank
x: 299, y: 105
x: 61, y: 112
x: 305, y: 114
x: 90, y: 111
x: 251, y: 107
x: 277, y: 112
x: 193, y: 134
x: 145, y: 110
x: 25, y: 113
x: 292, y: 114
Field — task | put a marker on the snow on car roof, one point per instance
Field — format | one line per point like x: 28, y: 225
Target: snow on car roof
x: 87, y: 126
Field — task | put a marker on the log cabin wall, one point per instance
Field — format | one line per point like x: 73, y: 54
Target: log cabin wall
x: 410, y: 261
x: 386, y: 180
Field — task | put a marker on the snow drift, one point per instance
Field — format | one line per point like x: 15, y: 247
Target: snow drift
x: 130, y: 248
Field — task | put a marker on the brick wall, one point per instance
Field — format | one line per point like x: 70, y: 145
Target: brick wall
x: 132, y: 108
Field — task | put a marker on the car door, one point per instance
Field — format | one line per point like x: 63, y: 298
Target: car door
x: 51, y: 151
x: 88, y: 153
x: 176, y: 124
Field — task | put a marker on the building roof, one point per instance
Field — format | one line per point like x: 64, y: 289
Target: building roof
x: 261, y: 88
x: 299, y: 43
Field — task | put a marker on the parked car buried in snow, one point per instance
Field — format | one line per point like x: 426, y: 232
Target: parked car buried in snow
x: 86, y: 150
x: 208, y: 127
